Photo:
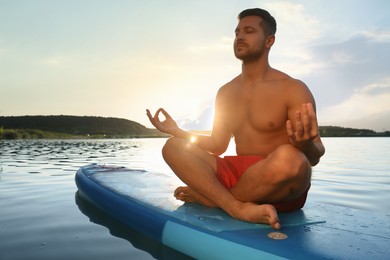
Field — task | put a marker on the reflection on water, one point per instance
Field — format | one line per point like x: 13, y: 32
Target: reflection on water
x: 39, y: 155
x: 117, y: 229
x: 40, y: 220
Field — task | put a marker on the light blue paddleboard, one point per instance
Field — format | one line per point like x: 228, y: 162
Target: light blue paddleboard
x: 144, y: 201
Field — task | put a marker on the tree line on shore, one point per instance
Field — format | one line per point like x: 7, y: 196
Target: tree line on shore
x: 66, y: 127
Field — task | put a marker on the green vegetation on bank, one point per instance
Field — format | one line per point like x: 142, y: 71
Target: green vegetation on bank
x: 336, y: 131
x: 11, y: 134
x: 68, y: 127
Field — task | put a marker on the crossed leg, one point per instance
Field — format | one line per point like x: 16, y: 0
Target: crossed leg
x: 197, y: 168
x: 283, y: 176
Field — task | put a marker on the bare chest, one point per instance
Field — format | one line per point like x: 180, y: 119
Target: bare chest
x: 262, y: 111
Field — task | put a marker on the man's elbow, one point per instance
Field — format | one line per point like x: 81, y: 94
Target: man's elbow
x: 218, y: 150
x: 316, y: 160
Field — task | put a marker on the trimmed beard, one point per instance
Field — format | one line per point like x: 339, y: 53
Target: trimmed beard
x: 249, y: 56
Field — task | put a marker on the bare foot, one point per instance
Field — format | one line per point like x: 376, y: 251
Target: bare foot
x: 246, y: 211
x: 255, y: 213
x: 187, y: 194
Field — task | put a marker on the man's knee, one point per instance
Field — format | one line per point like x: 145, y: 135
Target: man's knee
x: 175, y: 146
x: 293, y: 163
x: 170, y: 148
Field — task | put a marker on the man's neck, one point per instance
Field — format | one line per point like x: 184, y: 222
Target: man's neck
x: 257, y: 69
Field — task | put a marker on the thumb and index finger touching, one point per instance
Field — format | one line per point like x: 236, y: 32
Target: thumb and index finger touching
x: 160, y: 110
x: 155, y: 119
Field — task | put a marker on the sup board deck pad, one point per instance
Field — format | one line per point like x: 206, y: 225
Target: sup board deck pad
x: 144, y: 201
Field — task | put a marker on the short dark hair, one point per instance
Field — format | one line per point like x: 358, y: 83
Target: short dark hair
x: 268, y: 24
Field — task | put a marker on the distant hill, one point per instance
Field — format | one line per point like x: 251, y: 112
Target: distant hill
x: 79, y: 126
x: 337, y: 131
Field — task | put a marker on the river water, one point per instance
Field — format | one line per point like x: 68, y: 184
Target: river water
x: 42, y: 217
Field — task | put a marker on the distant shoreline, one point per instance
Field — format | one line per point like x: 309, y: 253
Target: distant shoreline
x: 87, y: 127
x: 33, y: 134
x: 25, y: 134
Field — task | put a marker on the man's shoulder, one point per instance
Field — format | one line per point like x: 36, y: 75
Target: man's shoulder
x: 229, y: 85
x: 284, y: 77
x: 295, y: 89
x: 288, y: 82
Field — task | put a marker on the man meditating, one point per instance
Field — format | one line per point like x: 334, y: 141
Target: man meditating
x: 272, y: 119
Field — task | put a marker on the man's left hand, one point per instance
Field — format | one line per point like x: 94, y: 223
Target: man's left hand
x: 306, y: 127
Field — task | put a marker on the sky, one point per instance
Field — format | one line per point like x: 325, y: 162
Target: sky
x: 116, y: 58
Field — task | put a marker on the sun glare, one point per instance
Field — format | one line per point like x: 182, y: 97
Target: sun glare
x: 193, y: 139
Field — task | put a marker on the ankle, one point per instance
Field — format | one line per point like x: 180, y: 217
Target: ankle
x: 235, y: 209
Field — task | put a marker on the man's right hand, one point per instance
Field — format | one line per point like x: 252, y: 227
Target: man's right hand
x: 168, y: 125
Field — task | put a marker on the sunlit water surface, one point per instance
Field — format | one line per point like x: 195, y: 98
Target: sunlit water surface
x: 43, y: 218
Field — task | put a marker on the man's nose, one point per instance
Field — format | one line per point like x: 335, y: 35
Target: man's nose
x: 240, y: 36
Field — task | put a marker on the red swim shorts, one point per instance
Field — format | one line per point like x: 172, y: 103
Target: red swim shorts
x: 230, y: 169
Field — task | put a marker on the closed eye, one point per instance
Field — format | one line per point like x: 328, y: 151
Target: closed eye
x: 248, y: 29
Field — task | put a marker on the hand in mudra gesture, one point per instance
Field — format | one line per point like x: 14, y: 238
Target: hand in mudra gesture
x: 306, y: 127
x: 168, y: 125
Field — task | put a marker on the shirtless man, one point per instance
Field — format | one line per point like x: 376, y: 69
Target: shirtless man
x: 273, y: 121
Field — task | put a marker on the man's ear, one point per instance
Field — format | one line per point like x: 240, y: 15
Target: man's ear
x: 270, y: 41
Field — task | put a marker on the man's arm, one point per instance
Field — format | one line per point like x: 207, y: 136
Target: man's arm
x: 214, y: 143
x: 314, y: 151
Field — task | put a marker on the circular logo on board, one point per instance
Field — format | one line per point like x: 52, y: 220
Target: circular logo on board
x: 277, y: 235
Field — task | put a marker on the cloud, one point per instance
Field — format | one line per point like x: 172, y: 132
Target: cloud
x: 296, y: 30
x: 202, y: 122
x: 289, y: 17
x: 348, y: 67
x: 353, y: 87
x: 376, y: 35
x: 224, y: 44
x: 368, y: 107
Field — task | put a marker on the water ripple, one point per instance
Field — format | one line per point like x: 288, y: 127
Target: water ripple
x: 37, y: 186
